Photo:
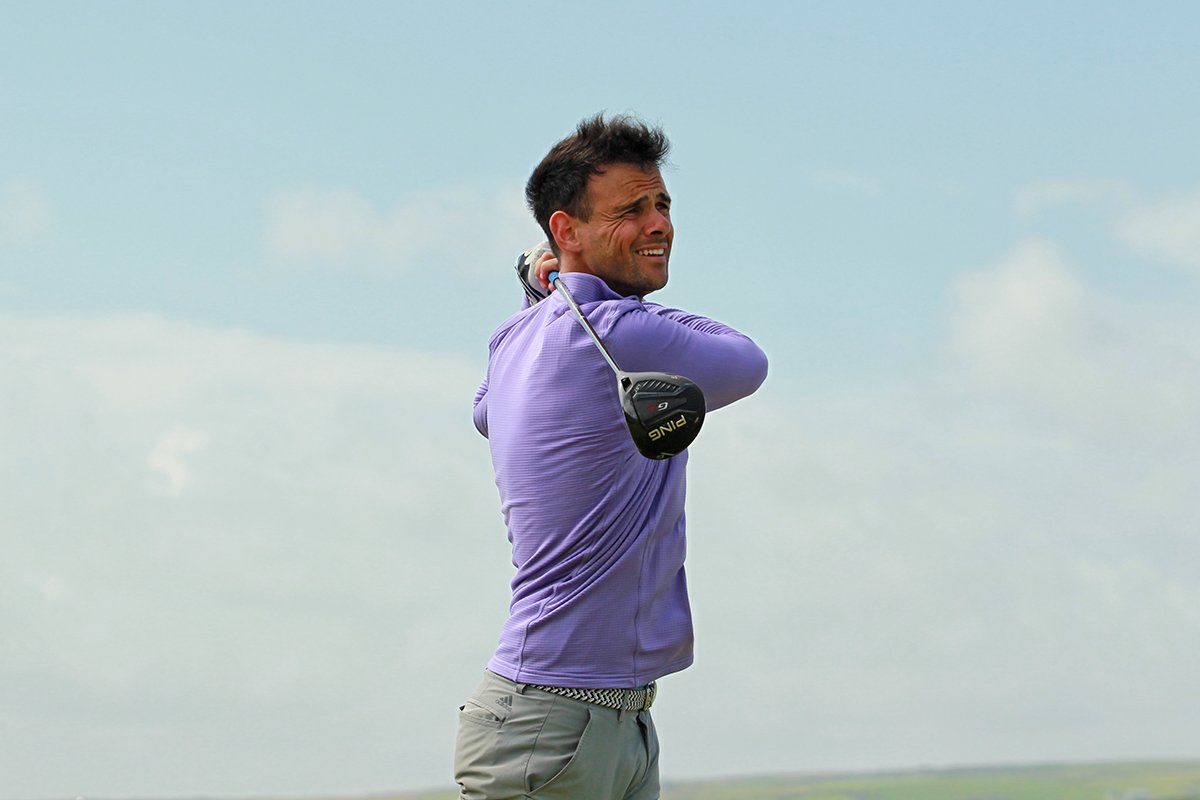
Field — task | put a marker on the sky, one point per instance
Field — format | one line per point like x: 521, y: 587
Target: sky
x: 250, y: 256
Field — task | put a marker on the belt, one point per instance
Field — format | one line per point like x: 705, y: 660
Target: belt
x: 638, y: 699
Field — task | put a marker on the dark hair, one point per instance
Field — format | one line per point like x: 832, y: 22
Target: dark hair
x: 560, y: 181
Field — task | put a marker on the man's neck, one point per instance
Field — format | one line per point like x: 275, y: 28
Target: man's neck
x: 567, y: 264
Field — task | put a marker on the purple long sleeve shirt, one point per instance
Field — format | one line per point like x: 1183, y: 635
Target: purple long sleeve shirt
x: 599, y: 599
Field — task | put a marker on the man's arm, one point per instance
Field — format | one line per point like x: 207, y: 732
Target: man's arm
x: 726, y: 364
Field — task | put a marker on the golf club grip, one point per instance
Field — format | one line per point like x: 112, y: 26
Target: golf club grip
x: 587, y: 326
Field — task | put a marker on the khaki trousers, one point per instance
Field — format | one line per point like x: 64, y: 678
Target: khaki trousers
x: 515, y: 741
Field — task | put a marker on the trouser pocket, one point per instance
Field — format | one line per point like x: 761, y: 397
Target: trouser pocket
x: 560, y: 757
x: 479, y: 755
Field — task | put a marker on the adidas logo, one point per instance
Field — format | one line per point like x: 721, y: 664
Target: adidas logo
x: 505, y: 701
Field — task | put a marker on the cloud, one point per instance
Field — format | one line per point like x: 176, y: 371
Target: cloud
x: 1041, y: 196
x: 1023, y: 324
x: 167, y: 458
x: 338, y: 228
x: 236, y: 545
x: 1027, y: 330
x: 25, y: 214
x: 1168, y: 230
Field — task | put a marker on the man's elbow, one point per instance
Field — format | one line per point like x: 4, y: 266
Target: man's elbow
x: 756, y: 372
x: 479, y: 417
x: 741, y: 379
x: 759, y: 373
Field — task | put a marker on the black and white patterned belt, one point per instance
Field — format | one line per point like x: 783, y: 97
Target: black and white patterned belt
x: 638, y: 699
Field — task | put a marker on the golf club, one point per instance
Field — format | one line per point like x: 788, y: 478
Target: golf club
x: 664, y: 412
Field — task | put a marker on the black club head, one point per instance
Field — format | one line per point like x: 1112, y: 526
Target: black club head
x: 664, y: 412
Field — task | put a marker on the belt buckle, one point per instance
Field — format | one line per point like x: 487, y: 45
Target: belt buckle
x: 648, y: 699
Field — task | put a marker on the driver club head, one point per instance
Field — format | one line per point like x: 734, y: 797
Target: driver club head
x: 664, y: 412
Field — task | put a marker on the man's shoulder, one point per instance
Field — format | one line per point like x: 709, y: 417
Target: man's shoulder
x: 551, y: 323
x: 627, y: 317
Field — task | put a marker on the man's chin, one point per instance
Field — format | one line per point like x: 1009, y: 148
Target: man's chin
x: 647, y: 287
x: 658, y: 280
x: 644, y: 281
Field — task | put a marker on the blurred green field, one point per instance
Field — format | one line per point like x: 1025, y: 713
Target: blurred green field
x: 1169, y: 780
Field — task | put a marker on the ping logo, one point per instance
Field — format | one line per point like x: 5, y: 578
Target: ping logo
x: 668, y: 427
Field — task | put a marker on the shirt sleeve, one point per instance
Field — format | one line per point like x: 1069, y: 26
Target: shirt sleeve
x: 726, y: 364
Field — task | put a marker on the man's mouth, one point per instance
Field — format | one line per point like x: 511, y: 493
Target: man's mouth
x: 652, y: 251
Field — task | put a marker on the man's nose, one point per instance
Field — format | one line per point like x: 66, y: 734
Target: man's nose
x: 658, y: 223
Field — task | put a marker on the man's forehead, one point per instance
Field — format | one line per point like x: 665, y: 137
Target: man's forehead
x: 629, y: 179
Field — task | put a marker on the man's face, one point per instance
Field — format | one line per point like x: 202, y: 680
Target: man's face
x: 626, y: 239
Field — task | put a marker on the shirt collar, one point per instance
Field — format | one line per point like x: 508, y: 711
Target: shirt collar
x: 587, y: 288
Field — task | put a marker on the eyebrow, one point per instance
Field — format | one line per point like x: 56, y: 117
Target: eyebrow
x: 641, y: 201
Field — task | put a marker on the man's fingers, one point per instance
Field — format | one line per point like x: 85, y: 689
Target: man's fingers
x: 545, y: 264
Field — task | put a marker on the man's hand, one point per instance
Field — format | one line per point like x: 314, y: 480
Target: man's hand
x: 533, y: 270
x: 545, y: 264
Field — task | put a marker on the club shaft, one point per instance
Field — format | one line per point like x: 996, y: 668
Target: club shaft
x: 587, y: 326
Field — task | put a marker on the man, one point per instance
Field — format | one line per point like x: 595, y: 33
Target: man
x: 599, y: 607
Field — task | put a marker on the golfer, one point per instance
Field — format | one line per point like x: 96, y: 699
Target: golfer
x: 599, y: 607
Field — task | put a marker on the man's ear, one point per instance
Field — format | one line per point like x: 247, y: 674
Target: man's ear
x: 565, y: 232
